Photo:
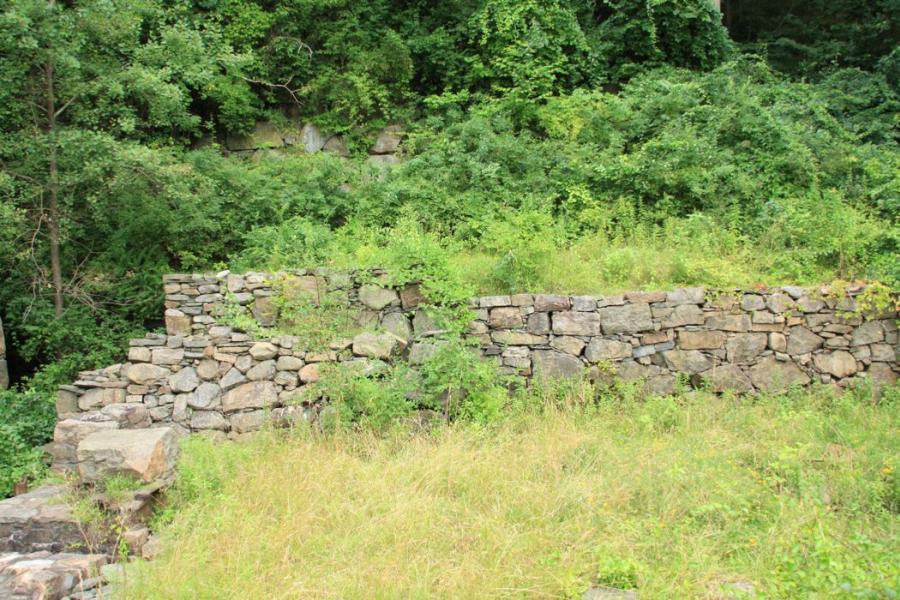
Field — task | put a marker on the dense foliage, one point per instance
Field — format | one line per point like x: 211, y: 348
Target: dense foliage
x: 572, y: 145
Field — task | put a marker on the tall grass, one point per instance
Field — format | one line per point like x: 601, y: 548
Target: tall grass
x: 677, y: 497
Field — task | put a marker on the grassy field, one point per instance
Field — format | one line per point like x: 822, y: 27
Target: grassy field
x: 677, y: 497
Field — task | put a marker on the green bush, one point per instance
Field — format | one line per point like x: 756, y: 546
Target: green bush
x: 26, y: 423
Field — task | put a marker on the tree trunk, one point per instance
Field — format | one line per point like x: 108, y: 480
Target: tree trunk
x: 53, y: 193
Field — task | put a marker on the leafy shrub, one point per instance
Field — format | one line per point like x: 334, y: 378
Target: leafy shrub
x: 26, y: 422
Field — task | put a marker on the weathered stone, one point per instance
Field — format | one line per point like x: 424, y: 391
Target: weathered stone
x: 801, y: 340
x: 309, y: 373
x: 139, y: 354
x: 506, y: 317
x: 264, y: 370
x: 584, y: 303
x: 128, y: 416
x: 289, y: 363
x: 424, y: 325
x: 777, y: 342
x: 143, y: 454
x: 493, y: 301
x: 687, y: 361
x: 549, y: 302
x: 881, y: 374
x: 538, y: 323
x: 38, y: 520
x: 630, y: 318
x: 208, y: 369
x: 287, y: 379
x: 556, y: 365
x: 700, y: 340
x: 374, y: 345
x: 810, y: 305
x: 752, y: 302
x: 411, y: 296
x: 167, y: 356
x: 265, y: 311
x: 232, y: 378
x: 255, y: 394
x: 517, y: 338
x: 686, y: 296
x: 208, y: 419
x: 576, y: 323
x: 336, y: 145
x: 311, y: 138
x: 883, y: 353
x: 263, y: 351
x: 248, y: 421
x: 779, y: 303
x: 771, y: 375
x: 645, y: 297
x: 388, y: 140
x: 726, y: 377
x: 376, y: 297
x: 66, y: 402
x: 601, y: 349
x: 869, y: 332
x: 839, y: 363
x: 397, y: 324
x: 46, y: 576
x: 726, y: 322
x: 98, y: 397
x: 177, y: 323
x: 185, y: 380
x: 207, y: 396
x: 144, y: 373
x: 684, y: 314
x: 567, y: 344
x: 744, y: 347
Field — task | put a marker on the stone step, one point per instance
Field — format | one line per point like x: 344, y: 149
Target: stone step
x: 40, y: 520
x: 50, y: 576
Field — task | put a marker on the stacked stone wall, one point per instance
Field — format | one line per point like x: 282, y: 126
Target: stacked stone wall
x: 204, y: 376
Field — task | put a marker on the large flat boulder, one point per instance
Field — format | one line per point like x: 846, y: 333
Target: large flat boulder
x: 38, y: 521
x: 144, y: 454
x: 47, y: 576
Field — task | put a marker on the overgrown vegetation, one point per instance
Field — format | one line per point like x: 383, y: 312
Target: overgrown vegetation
x: 680, y: 496
x: 570, y: 146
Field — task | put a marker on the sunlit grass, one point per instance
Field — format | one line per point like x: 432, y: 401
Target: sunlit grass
x: 676, y: 497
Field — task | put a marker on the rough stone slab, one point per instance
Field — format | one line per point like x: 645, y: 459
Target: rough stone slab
x: 700, y: 340
x: 377, y: 298
x: 576, y: 323
x: 256, y: 394
x: 551, y: 364
x: 551, y: 302
x: 38, y: 521
x: 99, y: 397
x: 47, y: 576
x: 630, y: 318
x: 771, y: 375
x: 144, y: 454
x: 602, y: 349
x: 374, y: 345
x: 801, y: 340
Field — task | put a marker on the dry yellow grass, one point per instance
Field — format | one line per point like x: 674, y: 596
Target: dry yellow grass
x: 674, y: 497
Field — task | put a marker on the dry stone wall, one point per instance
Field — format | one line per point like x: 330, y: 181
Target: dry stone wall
x: 204, y: 376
